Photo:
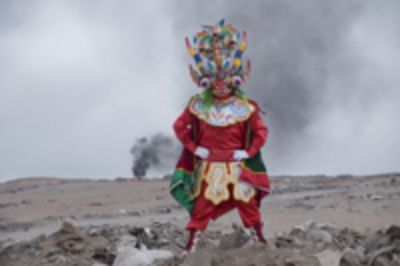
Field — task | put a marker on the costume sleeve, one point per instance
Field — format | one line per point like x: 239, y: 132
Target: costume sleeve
x: 260, y: 133
x: 183, y: 128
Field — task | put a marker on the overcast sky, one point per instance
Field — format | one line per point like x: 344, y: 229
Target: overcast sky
x: 81, y: 81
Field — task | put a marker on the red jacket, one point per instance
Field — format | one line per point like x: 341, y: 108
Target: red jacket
x: 221, y: 141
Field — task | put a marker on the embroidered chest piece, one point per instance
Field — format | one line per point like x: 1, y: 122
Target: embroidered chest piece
x: 222, y: 114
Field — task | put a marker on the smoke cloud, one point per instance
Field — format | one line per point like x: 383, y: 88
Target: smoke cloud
x: 81, y: 81
x: 157, y: 152
x: 325, y: 72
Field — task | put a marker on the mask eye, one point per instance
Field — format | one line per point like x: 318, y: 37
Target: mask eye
x: 236, y: 81
x: 205, y: 83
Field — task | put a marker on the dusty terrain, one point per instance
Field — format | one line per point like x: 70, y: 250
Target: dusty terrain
x: 34, y: 208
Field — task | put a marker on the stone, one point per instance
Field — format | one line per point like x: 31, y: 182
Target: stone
x: 393, y: 232
x: 377, y: 197
x: 136, y: 257
x: 72, y: 244
x: 373, y: 256
x: 328, y: 257
x: 349, y: 258
x: 376, y: 241
x: 126, y: 241
x: 382, y: 261
x: 103, y: 255
x: 68, y: 228
x: 237, y: 239
x: 317, y: 235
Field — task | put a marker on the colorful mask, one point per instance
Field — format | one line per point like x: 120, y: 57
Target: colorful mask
x: 217, y: 52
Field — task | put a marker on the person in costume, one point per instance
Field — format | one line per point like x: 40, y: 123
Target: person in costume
x: 220, y: 167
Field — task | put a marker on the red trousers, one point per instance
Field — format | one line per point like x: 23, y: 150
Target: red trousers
x: 204, y: 210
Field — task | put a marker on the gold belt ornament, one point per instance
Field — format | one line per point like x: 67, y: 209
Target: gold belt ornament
x: 218, y: 175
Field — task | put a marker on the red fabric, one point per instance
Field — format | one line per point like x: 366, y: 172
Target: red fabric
x: 191, y: 241
x: 260, y: 181
x: 186, y: 160
x: 183, y: 128
x: 249, y: 177
x: 221, y: 141
x: 205, y: 210
x: 259, y: 130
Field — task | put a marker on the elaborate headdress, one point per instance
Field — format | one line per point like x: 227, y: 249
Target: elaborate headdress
x: 217, y: 52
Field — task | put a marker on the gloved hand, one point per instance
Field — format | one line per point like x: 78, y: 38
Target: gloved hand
x: 202, y: 152
x: 239, y: 155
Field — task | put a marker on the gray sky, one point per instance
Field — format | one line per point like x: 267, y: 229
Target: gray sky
x: 80, y: 81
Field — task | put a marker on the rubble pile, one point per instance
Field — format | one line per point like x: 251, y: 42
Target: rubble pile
x: 162, y: 244
x: 347, y: 246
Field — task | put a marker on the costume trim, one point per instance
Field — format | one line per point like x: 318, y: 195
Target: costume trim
x: 181, y: 188
x: 218, y: 175
x: 252, y: 171
x: 222, y: 114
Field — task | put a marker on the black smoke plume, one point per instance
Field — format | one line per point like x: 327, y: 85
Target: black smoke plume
x: 156, y: 151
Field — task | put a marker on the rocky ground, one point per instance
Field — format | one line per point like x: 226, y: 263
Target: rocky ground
x: 161, y: 244
x: 314, y: 220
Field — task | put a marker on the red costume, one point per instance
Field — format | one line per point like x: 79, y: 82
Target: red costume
x: 222, y: 132
x: 221, y: 140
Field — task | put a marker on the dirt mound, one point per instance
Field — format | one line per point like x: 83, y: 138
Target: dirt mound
x: 309, y: 244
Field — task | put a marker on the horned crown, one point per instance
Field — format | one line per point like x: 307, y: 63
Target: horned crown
x: 217, y: 52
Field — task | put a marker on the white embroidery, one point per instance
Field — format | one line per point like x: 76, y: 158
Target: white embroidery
x: 222, y: 114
